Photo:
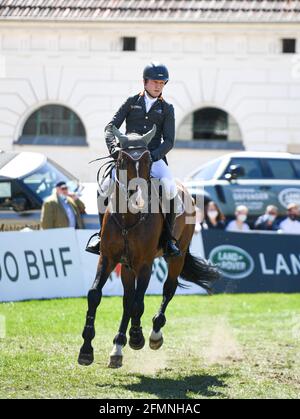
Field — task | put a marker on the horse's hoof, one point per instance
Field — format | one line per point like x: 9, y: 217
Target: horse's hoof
x: 137, y: 345
x: 136, y: 340
x: 115, y: 361
x: 85, y: 359
x: 156, y: 344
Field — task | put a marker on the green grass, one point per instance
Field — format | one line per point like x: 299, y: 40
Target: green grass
x: 225, y: 346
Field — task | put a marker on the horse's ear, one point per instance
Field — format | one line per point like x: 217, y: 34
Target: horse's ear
x: 121, y: 137
x: 149, y: 135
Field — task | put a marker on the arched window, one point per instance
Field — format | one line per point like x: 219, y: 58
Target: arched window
x: 53, y: 125
x: 209, y: 128
x: 210, y: 124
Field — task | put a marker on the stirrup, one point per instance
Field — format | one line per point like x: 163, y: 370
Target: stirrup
x: 93, y: 244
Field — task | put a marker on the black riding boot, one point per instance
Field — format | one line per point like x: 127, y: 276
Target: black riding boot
x: 93, y: 245
x: 171, y: 248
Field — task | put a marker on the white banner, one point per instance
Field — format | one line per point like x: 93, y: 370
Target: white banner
x: 54, y: 264
x: 39, y: 264
x: 114, y: 285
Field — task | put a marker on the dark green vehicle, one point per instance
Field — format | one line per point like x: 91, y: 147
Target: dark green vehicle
x: 26, y: 180
x: 254, y: 179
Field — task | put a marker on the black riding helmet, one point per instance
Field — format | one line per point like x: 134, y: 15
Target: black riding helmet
x: 156, y: 71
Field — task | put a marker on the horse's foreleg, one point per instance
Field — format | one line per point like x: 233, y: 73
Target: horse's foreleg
x: 120, y: 340
x: 159, y: 320
x: 86, y: 355
x: 137, y: 340
x: 133, y: 306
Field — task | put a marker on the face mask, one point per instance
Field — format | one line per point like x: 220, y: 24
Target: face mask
x: 271, y: 218
x: 212, y: 214
x: 242, y: 217
x: 62, y: 196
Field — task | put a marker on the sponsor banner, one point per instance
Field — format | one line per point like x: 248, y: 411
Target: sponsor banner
x: 39, y: 264
x: 54, y: 264
x: 233, y: 261
x: 254, y: 261
x: 88, y: 261
x: 114, y: 285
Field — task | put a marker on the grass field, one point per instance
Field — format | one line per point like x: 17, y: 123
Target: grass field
x: 225, y: 346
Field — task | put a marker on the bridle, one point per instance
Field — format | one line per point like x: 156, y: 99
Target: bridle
x: 129, y: 152
x: 129, y: 149
x: 124, y: 188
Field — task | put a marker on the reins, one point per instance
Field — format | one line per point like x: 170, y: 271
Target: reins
x: 125, y: 229
x: 110, y: 166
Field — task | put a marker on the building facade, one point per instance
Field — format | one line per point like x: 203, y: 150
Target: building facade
x: 234, y: 77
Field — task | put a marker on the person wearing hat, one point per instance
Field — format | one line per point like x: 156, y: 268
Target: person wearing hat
x: 291, y: 223
x: 62, y: 209
x: 141, y: 112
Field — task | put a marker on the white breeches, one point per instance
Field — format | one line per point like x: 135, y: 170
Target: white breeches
x: 159, y: 170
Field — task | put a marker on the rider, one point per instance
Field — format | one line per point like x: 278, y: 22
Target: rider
x: 141, y: 112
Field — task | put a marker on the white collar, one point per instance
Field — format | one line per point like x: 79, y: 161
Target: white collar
x: 149, y: 98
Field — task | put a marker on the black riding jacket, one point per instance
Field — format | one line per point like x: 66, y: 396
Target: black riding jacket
x: 139, y: 121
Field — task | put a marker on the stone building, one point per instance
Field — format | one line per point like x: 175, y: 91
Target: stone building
x: 67, y: 65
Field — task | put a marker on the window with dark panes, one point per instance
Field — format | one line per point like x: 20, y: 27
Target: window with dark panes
x: 129, y: 43
x: 251, y: 167
x: 42, y: 182
x: 281, y: 169
x: 210, y: 124
x: 296, y: 165
x: 5, y: 195
x: 53, y: 125
x: 9, y: 191
x: 288, y: 45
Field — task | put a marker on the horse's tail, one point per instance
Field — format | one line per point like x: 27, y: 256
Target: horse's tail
x: 200, y: 271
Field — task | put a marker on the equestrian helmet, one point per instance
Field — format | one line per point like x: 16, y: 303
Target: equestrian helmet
x: 156, y: 71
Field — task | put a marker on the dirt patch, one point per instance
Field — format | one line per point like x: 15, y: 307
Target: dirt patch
x: 223, y: 346
x: 145, y: 361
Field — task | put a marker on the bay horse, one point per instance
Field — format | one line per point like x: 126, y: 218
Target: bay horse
x: 134, y: 240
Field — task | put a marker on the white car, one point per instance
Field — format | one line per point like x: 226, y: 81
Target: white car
x: 26, y: 180
x: 254, y: 179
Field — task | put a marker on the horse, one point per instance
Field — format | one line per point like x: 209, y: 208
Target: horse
x: 134, y: 240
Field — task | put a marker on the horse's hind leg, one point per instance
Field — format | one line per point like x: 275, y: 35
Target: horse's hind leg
x: 159, y: 320
x: 86, y: 354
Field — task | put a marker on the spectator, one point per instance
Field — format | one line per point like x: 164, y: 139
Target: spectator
x: 239, y: 224
x: 213, y: 217
x: 291, y: 223
x: 62, y: 209
x: 269, y: 220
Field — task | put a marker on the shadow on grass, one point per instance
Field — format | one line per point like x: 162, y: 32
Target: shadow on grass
x: 168, y: 388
